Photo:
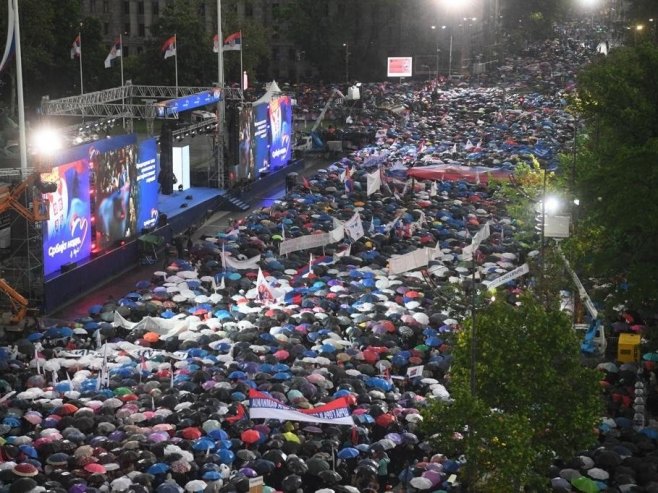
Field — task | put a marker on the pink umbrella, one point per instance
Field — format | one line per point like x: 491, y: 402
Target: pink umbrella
x: 433, y: 476
x: 282, y: 355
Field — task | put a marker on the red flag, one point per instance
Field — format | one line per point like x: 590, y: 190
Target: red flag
x: 169, y: 47
x: 307, y: 184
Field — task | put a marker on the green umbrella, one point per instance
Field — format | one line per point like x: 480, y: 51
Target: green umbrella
x: 650, y: 356
x: 585, y: 484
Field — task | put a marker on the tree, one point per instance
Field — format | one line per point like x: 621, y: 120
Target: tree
x: 615, y: 176
x: 534, y: 400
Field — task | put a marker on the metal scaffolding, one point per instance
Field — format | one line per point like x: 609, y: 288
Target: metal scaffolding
x: 139, y: 102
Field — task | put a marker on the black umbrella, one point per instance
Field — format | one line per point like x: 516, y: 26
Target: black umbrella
x: 291, y: 483
x: 330, y: 477
x: 296, y: 466
x: 316, y: 466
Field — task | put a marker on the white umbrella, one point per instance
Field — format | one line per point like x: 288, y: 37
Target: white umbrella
x: 421, y: 483
x: 188, y: 274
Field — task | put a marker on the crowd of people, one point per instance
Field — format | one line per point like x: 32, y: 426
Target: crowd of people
x: 151, y: 392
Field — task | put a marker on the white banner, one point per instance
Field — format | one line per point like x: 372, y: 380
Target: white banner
x: 412, y: 260
x: 374, y: 181
x: 513, y: 274
x: 354, y: 227
x: 480, y: 236
x: 307, y: 242
x: 415, y: 371
x: 263, y: 406
x: 233, y: 263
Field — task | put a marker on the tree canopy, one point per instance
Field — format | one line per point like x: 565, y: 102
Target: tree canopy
x: 616, y: 173
x: 534, y: 399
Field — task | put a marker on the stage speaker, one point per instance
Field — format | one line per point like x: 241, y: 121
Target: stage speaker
x: 162, y: 220
x: 68, y: 266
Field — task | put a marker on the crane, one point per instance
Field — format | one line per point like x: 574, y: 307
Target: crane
x: 594, y: 342
x: 10, y: 199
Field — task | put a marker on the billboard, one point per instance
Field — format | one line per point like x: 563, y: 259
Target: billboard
x: 280, y: 115
x: 261, y: 137
x: 147, y: 184
x: 67, y: 234
x: 246, y: 145
x: 399, y: 66
x: 115, y: 187
x: 171, y: 107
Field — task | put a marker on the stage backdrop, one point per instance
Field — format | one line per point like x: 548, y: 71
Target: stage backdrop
x: 108, y: 192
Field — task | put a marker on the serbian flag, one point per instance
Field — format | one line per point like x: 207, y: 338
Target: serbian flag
x: 233, y: 42
x: 115, y: 52
x: 264, y: 406
x: 76, y: 47
x: 169, y: 47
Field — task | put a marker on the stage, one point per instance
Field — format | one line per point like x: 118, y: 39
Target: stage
x: 178, y: 212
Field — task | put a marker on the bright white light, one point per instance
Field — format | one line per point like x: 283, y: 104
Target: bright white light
x: 47, y: 141
x: 552, y: 205
x: 576, y: 201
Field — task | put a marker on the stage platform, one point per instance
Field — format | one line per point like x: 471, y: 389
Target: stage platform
x: 182, y: 210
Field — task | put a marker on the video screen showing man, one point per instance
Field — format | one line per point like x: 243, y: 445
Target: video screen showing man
x: 116, y: 194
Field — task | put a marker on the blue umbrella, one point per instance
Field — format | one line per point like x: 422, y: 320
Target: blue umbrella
x: 237, y: 375
x: 211, y: 476
x: 218, y: 434
x: 158, y: 468
x: 348, y: 453
x: 203, y: 444
x: 226, y: 456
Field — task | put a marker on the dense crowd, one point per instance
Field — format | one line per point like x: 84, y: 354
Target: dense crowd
x: 150, y: 392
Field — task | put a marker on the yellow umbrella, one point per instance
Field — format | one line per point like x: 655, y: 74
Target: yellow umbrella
x: 291, y: 437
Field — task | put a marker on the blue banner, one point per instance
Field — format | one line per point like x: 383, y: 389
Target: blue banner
x: 280, y: 115
x: 67, y: 234
x: 147, y: 184
x: 261, y: 136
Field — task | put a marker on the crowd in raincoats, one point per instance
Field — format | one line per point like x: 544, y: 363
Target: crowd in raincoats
x: 150, y: 392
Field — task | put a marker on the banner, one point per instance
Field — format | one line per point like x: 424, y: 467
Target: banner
x: 374, y: 181
x: 415, y: 371
x: 233, y: 263
x: 513, y: 274
x: 480, y: 236
x: 307, y: 242
x: 263, y: 406
x: 412, y: 260
x: 354, y: 227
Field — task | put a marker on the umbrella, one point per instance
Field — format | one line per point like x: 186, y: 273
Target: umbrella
x: 330, y: 477
x: 291, y: 483
x: 421, y: 483
x: 250, y: 436
x: 196, y: 485
x: 585, y: 484
x: 316, y: 466
x: 348, y: 453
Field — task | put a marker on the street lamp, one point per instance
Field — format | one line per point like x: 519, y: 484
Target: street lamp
x: 450, y: 54
x: 438, y: 52
x: 347, y: 61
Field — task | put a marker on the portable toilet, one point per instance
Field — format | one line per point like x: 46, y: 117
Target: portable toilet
x: 628, y: 348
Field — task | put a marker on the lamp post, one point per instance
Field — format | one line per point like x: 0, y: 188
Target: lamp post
x: 638, y: 29
x: 347, y: 61
x: 450, y: 54
x: 438, y: 53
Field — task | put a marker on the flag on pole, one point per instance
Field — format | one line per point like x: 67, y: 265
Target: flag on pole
x: 169, y: 47
x: 215, y: 43
x: 283, y: 232
x: 115, y: 52
x: 76, y: 47
x: 310, y: 267
x: 263, y: 289
x: 10, y: 45
x: 233, y: 42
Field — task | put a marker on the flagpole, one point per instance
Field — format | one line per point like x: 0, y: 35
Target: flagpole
x: 123, y: 101
x: 241, y: 70
x: 220, y: 46
x: 175, y: 61
x: 82, y: 89
x: 21, y: 103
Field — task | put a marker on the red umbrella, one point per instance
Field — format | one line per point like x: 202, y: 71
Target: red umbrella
x: 191, y: 433
x: 66, y: 409
x: 250, y: 436
x: 385, y: 420
x: 282, y: 355
x: 95, y: 468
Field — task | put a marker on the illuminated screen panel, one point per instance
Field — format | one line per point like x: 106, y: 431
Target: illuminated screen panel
x: 261, y: 138
x: 280, y: 113
x: 186, y: 103
x: 399, y: 66
x: 67, y: 234
x: 147, y: 184
x: 247, y: 144
x: 115, y: 186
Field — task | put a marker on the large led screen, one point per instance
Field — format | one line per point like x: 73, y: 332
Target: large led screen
x: 280, y: 113
x: 147, y: 184
x: 67, y: 233
x: 115, y: 186
x: 246, y: 166
x: 261, y: 138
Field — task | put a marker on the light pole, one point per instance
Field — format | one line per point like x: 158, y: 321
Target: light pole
x: 438, y: 52
x: 449, y: 53
x: 347, y: 62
